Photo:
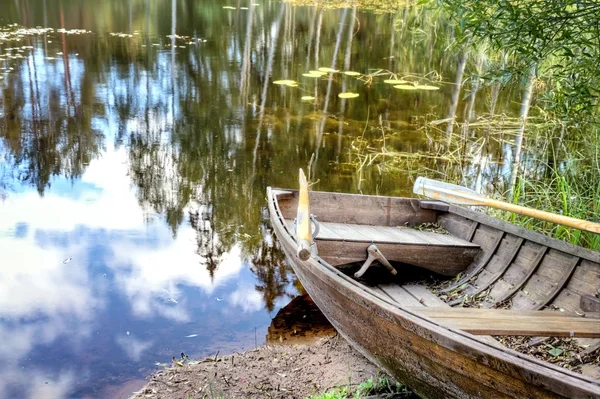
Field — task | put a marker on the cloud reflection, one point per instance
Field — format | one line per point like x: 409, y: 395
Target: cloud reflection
x: 39, y: 384
x: 248, y: 299
x: 115, y: 253
x: 133, y: 346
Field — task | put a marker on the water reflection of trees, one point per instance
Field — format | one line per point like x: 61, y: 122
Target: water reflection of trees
x: 44, y: 134
x: 204, y: 129
x: 270, y: 268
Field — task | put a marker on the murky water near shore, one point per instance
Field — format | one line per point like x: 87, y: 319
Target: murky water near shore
x: 137, y: 139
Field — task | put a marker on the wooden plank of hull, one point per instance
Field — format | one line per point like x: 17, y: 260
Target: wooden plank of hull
x: 434, y: 360
x: 361, y: 209
x: 511, y: 322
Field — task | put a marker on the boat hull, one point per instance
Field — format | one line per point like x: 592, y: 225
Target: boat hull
x: 435, y: 361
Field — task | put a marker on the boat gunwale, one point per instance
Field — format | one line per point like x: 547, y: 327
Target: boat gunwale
x: 458, y: 341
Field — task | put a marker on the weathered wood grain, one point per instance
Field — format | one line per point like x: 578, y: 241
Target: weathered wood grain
x: 590, y: 303
x: 437, y: 360
x: 426, y: 256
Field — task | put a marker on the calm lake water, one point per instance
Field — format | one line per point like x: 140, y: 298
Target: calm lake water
x: 137, y: 139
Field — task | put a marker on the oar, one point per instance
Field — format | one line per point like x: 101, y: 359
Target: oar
x: 303, y: 227
x: 463, y: 196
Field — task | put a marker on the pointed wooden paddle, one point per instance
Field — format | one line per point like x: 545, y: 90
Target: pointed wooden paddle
x: 463, y: 196
x: 303, y: 227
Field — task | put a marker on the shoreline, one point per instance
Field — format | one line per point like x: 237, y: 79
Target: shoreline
x: 270, y: 371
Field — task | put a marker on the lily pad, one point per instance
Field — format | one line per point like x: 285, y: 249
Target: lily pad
x: 352, y: 73
x: 426, y: 87
x: 395, y: 81
x: 229, y: 8
x: 327, y: 70
x: 348, y: 95
x: 311, y: 75
x: 307, y: 98
x: 286, y: 82
x: 405, y: 87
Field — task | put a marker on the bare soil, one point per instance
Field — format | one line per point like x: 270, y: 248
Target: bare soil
x: 271, y: 371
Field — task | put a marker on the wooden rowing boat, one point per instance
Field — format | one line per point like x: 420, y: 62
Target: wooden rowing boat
x: 438, y: 347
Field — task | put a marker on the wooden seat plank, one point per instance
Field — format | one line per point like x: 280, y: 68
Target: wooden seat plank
x: 390, y: 234
x: 406, y: 236
x: 511, y: 322
x: 515, y: 326
x: 346, y: 232
x: 365, y: 233
x: 417, y: 297
x: 450, y: 312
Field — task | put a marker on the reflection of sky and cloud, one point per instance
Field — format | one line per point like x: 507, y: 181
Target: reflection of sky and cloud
x: 145, y: 166
x: 85, y: 282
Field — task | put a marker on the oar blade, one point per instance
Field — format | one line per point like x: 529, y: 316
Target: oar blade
x: 447, y: 192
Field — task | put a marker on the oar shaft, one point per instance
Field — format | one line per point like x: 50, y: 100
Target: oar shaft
x: 463, y: 196
x: 543, y: 215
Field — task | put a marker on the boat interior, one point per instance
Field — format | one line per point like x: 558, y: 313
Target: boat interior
x: 469, y: 271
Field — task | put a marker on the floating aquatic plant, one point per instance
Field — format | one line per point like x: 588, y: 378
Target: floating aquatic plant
x: 352, y: 73
x: 286, y: 82
x: 307, y: 98
x: 395, y: 81
x: 348, y: 95
x: 427, y: 87
x: 416, y: 87
x: 405, y: 87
